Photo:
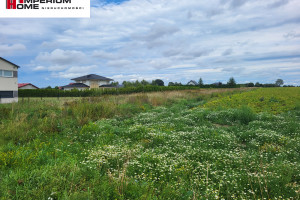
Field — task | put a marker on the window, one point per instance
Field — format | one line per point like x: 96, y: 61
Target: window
x: 6, y: 94
x: 7, y: 73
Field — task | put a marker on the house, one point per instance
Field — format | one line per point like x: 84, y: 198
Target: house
x: 78, y: 86
x: 88, y: 81
x: 217, y: 83
x: 93, y: 80
x: 8, y: 81
x: 27, y: 86
x: 192, y: 82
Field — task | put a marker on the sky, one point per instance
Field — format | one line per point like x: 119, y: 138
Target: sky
x: 172, y: 40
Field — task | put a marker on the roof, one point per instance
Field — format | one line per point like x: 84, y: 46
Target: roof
x: 111, y: 86
x: 192, y: 81
x: 217, y: 83
x: 9, y: 62
x: 106, y: 86
x: 24, y: 84
x: 92, y: 77
x: 75, y: 85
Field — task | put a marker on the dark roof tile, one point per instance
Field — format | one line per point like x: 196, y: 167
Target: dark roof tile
x: 75, y: 85
x: 92, y: 77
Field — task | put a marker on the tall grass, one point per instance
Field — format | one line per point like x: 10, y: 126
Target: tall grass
x: 162, y: 145
x: 31, y: 117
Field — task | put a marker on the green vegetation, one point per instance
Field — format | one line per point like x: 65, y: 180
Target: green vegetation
x: 231, y: 82
x: 165, y: 145
x: 200, y: 82
x: 99, y: 92
x: 112, y: 91
x: 273, y: 100
x: 279, y: 82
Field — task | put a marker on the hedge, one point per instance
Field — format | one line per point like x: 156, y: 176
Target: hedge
x: 99, y: 92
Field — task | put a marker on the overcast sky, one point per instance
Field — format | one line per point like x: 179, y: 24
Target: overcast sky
x: 173, y: 40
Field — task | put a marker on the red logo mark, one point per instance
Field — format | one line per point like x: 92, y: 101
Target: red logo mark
x: 12, y: 4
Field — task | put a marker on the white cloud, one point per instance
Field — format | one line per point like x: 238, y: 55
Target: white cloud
x: 158, y: 31
x: 57, y: 68
x: 74, y: 71
x: 105, y: 55
x: 61, y: 57
x: 40, y: 68
x: 205, y: 70
x: 6, y: 49
x: 118, y: 63
x: 278, y: 3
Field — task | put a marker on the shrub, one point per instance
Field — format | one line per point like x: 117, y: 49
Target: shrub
x: 244, y: 115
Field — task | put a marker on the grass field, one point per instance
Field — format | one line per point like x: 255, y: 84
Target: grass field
x: 272, y: 100
x: 205, y: 144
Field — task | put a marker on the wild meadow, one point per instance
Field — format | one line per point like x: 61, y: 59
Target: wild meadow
x: 198, y: 144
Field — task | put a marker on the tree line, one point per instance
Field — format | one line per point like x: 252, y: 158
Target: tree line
x: 158, y: 82
x: 138, y: 87
x: 231, y: 83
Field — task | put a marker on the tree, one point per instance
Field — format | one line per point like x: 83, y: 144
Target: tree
x: 279, y: 82
x: 231, y: 82
x: 257, y: 84
x: 200, y: 82
x: 137, y: 83
x: 127, y: 84
x: 250, y: 85
x: 115, y: 83
x: 171, y: 84
x: 144, y: 82
x: 158, y: 82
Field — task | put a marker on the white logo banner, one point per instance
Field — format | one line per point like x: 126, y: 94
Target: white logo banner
x: 45, y: 9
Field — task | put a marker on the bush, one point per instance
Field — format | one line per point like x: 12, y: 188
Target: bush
x: 245, y: 115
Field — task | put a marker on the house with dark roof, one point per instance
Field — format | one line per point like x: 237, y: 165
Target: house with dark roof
x: 217, y: 83
x: 27, y: 86
x: 8, y: 81
x: 90, y: 81
x: 78, y: 86
x: 192, y: 82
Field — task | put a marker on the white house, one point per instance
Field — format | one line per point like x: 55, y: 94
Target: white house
x: 192, y: 82
x: 93, y: 80
x: 8, y: 81
x: 27, y: 86
x: 89, y: 81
